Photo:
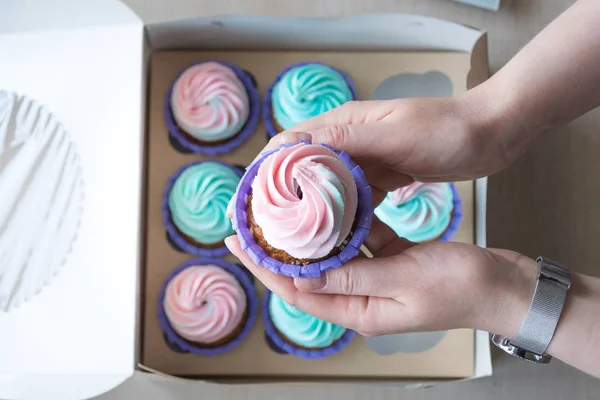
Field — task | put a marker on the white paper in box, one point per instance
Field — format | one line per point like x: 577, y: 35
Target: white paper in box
x: 85, y: 61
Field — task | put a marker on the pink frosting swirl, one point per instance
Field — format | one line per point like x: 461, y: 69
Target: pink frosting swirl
x: 406, y: 193
x: 209, y: 102
x: 204, y: 304
x: 304, y: 198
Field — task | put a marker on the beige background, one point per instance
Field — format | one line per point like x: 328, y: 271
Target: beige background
x: 543, y: 204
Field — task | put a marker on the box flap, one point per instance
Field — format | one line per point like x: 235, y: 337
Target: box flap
x: 83, y: 322
x: 357, y: 32
x: 28, y: 16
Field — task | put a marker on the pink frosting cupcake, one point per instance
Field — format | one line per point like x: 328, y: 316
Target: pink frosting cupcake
x: 302, y: 209
x: 211, y: 108
x: 207, y: 306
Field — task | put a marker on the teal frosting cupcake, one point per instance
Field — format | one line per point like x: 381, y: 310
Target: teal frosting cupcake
x: 422, y: 212
x: 304, y: 91
x: 301, y: 328
x: 196, y: 198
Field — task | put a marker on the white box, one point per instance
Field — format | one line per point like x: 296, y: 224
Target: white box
x: 86, y: 61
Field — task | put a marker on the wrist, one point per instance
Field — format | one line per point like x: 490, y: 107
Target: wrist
x: 511, y: 296
x: 497, y: 122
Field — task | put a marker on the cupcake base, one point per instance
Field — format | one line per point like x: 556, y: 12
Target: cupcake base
x: 281, y: 255
x: 271, y: 124
x: 283, y: 345
x: 181, y: 140
x: 179, y: 344
x: 364, y: 215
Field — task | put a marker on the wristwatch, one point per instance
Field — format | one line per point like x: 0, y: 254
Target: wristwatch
x: 539, y: 324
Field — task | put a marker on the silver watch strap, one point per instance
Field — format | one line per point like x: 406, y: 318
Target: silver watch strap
x: 547, y: 303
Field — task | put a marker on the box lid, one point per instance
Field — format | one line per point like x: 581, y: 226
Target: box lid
x: 81, y: 60
x: 84, y: 62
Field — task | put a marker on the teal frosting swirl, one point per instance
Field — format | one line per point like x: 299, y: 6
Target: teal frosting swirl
x: 306, y: 91
x: 198, y: 201
x: 300, y: 327
x: 419, y: 212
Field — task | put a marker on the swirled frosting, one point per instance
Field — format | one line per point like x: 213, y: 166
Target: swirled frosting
x: 304, y: 198
x: 301, y: 328
x: 204, y: 304
x: 198, y: 201
x: 209, y: 102
x: 306, y: 91
x: 418, y: 212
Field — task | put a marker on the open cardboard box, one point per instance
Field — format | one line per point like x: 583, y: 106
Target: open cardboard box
x: 89, y: 63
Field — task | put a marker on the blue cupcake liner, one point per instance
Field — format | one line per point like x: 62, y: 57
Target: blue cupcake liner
x: 172, y: 233
x: 284, y: 347
x: 457, y: 215
x: 252, y: 307
x: 362, y: 227
x: 183, y: 143
x: 267, y: 112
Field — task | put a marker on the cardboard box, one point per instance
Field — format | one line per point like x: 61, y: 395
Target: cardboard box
x: 88, y: 63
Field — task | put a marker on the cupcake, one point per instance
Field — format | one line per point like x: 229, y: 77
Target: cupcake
x: 302, y: 209
x: 195, y: 206
x: 302, y: 91
x: 422, y: 212
x: 211, y: 108
x: 292, y: 331
x: 207, y: 306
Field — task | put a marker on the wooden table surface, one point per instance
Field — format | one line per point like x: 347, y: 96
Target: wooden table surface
x: 546, y: 203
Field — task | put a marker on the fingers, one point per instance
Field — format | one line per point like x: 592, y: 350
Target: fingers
x: 354, y: 312
x: 380, y: 236
x: 382, y: 177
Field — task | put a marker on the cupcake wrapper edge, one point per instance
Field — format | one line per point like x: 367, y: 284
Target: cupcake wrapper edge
x: 276, y: 339
x: 252, y: 306
x: 457, y: 214
x: 364, y: 215
x: 267, y: 114
x: 213, y: 150
x: 175, y: 238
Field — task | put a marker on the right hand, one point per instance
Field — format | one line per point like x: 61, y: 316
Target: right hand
x: 398, y: 141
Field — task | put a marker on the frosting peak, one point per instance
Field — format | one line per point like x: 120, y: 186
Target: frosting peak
x: 305, y: 200
x: 306, y: 91
x: 301, y: 328
x: 209, y: 102
x: 198, y: 201
x: 419, y: 211
x: 204, y: 304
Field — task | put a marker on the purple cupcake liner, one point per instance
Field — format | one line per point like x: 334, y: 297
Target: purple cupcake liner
x: 252, y: 306
x: 275, y: 337
x: 457, y: 215
x: 364, y: 215
x: 173, y: 233
x: 268, y: 118
x: 182, y: 142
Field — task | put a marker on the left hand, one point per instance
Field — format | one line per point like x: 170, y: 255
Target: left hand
x: 412, y: 288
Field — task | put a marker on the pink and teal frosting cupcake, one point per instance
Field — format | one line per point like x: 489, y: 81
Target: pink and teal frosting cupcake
x: 302, y: 209
x: 302, y: 91
x: 207, y: 306
x: 422, y: 212
x: 292, y: 331
x: 211, y: 108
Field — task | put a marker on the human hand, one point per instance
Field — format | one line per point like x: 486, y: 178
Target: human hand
x: 413, y: 288
x: 396, y: 141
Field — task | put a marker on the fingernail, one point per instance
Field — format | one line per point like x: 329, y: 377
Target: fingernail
x: 310, y: 284
x: 228, y: 240
x: 291, y: 137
